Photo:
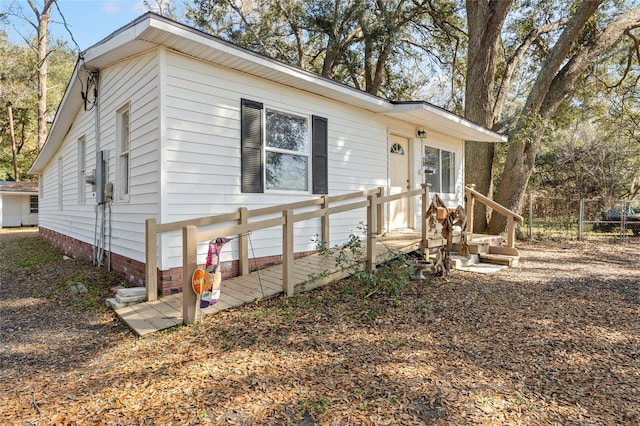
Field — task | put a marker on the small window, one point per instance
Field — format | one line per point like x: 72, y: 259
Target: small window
x: 396, y: 148
x: 287, y: 151
x: 124, y: 146
x: 439, y: 169
x: 81, y: 170
x: 33, y: 204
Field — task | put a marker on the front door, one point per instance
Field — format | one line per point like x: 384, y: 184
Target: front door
x: 399, y: 181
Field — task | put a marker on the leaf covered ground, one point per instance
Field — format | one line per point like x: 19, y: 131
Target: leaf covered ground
x: 553, y: 341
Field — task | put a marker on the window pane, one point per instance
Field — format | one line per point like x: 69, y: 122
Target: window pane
x: 33, y: 204
x: 431, y: 165
x: 286, y: 171
x: 286, y: 131
x: 448, y: 172
x: 124, y: 173
x: 125, y: 131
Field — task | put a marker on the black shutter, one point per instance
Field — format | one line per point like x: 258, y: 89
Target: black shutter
x: 319, y: 160
x: 251, y: 146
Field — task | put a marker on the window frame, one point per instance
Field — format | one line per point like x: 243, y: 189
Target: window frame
x: 33, y: 209
x: 253, y: 152
x: 437, y: 186
x: 123, y: 139
x: 269, y: 149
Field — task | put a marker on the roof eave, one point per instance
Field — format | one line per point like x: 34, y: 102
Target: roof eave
x: 441, y: 120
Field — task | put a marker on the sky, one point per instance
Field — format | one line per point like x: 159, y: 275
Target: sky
x: 89, y: 20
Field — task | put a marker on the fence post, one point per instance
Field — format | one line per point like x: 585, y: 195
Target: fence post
x: 623, y: 220
x: 324, y: 223
x: 380, y: 212
x: 531, y: 196
x: 426, y: 189
x: 581, y: 219
x: 189, y: 265
x: 287, y: 253
x: 511, y: 232
x: 469, y: 207
x: 372, y: 213
x: 151, y: 261
x: 243, y: 247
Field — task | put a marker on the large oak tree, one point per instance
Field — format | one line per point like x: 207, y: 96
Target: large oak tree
x: 584, y: 34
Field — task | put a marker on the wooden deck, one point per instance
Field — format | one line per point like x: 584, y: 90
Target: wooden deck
x: 149, y: 317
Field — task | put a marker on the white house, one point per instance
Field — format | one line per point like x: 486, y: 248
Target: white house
x: 18, y: 204
x: 171, y: 123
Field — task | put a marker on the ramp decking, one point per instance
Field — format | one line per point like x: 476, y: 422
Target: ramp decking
x: 310, y: 272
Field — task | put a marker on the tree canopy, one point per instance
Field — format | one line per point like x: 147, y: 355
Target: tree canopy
x: 552, y: 75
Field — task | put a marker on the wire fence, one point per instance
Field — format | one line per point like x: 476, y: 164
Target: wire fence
x: 581, y: 219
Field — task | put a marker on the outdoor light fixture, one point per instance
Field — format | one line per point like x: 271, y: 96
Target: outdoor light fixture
x: 422, y: 133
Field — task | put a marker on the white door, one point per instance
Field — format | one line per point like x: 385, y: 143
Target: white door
x: 12, y: 210
x: 399, y: 181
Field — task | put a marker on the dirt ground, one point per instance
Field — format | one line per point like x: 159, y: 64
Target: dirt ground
x: 555, y: 340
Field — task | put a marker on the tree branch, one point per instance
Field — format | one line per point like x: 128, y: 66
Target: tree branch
x: 563, y: 82
x: 514, y: 62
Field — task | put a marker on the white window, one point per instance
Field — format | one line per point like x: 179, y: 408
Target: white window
x: 81, y: 170
x: 439, y: 169
x: 124, y: 146
x: 60, y: 172
x: 33, y: 204
x: 287, y: 151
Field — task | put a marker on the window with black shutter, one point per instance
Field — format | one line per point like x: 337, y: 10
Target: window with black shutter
x: 283, y: 156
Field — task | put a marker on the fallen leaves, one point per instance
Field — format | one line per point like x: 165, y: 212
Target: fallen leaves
x: 553, y: 341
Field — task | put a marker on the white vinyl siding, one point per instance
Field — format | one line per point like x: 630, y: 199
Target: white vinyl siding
x: 202, y: 151
x: 82, y: 159
x: 60, y: 177
x: 133, y: 81
x: 190, y: 167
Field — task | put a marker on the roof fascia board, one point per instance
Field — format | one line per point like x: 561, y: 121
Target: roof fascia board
x: 414, y: 109
x: 322, y: 85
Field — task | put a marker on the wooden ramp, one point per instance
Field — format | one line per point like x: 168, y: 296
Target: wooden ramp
x: 310, y: 272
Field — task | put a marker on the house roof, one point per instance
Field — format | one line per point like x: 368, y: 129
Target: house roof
x: 151, y: 30
x: 18, y: 187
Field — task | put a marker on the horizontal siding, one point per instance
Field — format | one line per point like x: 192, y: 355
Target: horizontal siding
x: 191, y: 167
x: 134, y: 82
x: 202, y: 153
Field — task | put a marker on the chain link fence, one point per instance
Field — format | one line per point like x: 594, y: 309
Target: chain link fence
x: 581, y: 219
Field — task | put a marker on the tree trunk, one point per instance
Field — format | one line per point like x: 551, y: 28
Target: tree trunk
x: 555, y: 81
x: 521, y: 157
x: 484, y: 21
x: 43, y: 43
x: 12, y: 135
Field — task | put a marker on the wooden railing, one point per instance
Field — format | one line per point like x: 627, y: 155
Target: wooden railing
x: 373, y: 200
x: 512, y: 218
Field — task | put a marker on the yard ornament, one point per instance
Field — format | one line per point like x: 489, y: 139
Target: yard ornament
x: 444, y: 219
x: 206, y: 282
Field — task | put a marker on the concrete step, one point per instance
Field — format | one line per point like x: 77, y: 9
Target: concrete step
x: 132, y: 291
x: 458, y: 261
x: 500, y: 259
